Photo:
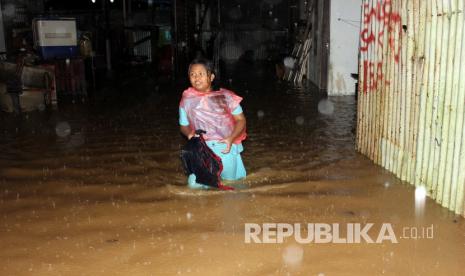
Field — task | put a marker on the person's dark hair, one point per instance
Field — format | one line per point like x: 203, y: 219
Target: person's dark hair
x: 208, y: 64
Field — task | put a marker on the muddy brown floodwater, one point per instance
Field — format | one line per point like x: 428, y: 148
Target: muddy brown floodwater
x: 89, y: 190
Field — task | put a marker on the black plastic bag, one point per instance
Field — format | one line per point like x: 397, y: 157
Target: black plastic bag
x: 197, y: 158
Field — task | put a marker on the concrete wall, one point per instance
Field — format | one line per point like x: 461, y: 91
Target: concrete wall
x: 344, y: 44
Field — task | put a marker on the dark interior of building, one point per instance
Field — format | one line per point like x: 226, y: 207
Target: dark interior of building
x: 244, y: 39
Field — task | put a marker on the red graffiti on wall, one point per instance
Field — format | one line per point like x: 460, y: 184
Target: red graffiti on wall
x: 372, y: 75
x: 389, y: 27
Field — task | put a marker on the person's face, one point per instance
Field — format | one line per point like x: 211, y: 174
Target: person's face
x: 200, y: 79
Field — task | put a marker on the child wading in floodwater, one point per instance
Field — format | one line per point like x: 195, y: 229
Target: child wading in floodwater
x: 219, y: 114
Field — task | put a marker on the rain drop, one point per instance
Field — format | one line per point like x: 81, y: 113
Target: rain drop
x: 63, y: 129
x: 293, y: 255
x: 300, y: 120
x: 326, y: 107
x: 9, y: 10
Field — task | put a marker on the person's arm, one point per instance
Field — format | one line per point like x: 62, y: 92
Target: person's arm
x: 184, y: 124
x: 237, y: 131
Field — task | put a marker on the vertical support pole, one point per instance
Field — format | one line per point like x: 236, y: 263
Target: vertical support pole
x: 175, y: 59
x: 107, y: 35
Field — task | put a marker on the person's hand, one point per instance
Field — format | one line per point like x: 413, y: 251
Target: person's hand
x: 190, y: 135
x: 228, y: 141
